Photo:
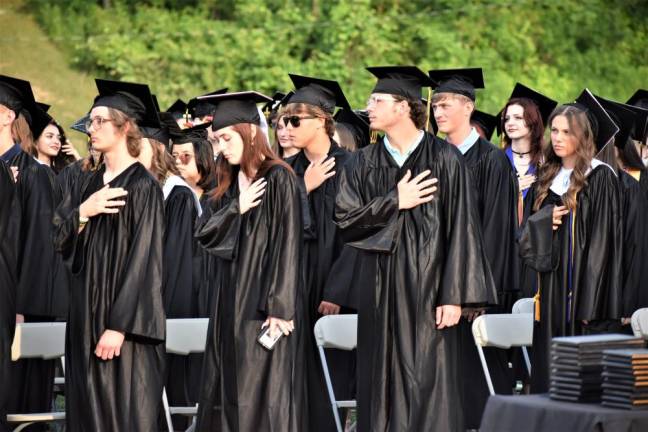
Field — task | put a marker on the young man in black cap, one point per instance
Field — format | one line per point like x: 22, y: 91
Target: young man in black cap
x: 496, y: 200
x: 308, y: 118
x: 111, y: 237
x: 406, y: 205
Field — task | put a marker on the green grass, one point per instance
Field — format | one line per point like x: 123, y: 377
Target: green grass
x: 27, y: 53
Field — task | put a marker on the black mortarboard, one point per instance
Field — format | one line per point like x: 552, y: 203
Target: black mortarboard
x: 234, y: 108
x: 161, y: 133
x: 79, y: 125
x: 45, y: 107
x: 156, y: 103
x: 15, y: 93
x: 640, y: 131
x: 274, y: 103
x: 133, y: 99
x: 601, y: 123
x: 178, y: 107
x: 405, y: 81
x: 639, y: 99
x: 458, y: 81
x: 358, y: 122
x: 323, y: 93
x: 623, y: 117
x: 39, y: 121
x: 190, y: 135
x: 487, y: 122
x: 199, y: 107
x: 545, y: 105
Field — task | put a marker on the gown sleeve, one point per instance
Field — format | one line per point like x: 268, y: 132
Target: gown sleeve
x: 371, y: 225
x: 137, y: 309
x: 218, y: 232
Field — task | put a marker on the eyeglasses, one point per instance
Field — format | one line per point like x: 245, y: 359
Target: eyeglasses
x: 375, y: 100
x: 295, y: 121
x: 96, y: 122
x: 184, y: 158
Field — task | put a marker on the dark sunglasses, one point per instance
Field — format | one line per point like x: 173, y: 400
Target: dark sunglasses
x: 295, y: 121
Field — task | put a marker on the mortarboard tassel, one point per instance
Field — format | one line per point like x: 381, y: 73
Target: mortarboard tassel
x: 427, y: 115
x: 374, y: 137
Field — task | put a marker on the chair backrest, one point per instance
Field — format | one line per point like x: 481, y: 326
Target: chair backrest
x: 186, y: 336
x: 503, y: 330
x: 639, y: 322
x: 524, y: 305
x: 38, y: 340
x: 337, y: 331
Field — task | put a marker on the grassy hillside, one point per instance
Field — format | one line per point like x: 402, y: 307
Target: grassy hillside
x: 27, y: 53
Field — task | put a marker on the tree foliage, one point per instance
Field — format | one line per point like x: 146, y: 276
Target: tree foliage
x: 187, y: 47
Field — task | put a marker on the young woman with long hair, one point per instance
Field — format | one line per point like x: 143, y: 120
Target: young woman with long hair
x: 570, y: 227
x: 254, y: 228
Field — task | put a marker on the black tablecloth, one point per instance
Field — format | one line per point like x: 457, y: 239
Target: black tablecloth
x: 540, y: 413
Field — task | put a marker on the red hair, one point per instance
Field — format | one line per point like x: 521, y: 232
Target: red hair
x: 257, y: 158
x: 533, y: 121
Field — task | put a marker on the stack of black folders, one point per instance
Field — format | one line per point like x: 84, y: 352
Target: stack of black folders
x: 577, y: 364
x: 625, y: 378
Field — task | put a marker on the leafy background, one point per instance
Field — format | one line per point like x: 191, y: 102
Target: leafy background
x: 183, y: 48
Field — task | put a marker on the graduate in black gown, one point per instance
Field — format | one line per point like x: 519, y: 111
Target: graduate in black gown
x: 406, y: 205
x: 255, y: 230
x: 573, y: 223
x: 634, y: 185
x: 496, y: 199
x: 111, y: 237
x: 308, y: 118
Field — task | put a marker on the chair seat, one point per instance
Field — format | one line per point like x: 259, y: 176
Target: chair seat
x: 59, y: 381
x: 187, y: 411
x: 35, y: 417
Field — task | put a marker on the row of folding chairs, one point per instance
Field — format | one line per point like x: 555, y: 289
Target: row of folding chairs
x: 188, y: 336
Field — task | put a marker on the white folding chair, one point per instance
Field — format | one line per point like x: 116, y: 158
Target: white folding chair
x: 183, y: 337
x: 502, y: 331
x: 37, y: 340
x: 525, y: 306
x: 639, y: 323
x: 341, y: 332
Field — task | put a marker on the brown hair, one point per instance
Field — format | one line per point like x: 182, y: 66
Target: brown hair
x: 311, y: 110
x: 257, y: 156
x: 21, y: 133
x: 133, y: 136
x: 418, y: 111
x: 533, y: 120
x: 162, y: 163
x: 581, y: 128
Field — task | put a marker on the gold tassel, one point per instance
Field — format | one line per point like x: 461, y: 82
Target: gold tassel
x: 374, y: 137
x: 536, y: 302
x: 429, y: 104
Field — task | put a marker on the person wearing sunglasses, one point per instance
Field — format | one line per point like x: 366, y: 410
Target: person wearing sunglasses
x: 308, y: 119
x: 405, y: 204
x: 111, y: 237
x: 253, y: 227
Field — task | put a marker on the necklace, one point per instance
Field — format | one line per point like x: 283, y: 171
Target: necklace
x: 520, y: 154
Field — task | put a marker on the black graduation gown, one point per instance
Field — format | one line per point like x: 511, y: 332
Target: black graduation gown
x: 7, y: 290
x: 496, y: 201
x: 595, y: 265
x: 245, y: 387
x: 177, y: 288
x: 419, y: 259
x: 635, y: 242
x: 117, y: 259
x: 322, y: 248
x: 38, y: 297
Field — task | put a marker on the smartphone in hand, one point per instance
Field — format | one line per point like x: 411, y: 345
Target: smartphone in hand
x: 266, y: 340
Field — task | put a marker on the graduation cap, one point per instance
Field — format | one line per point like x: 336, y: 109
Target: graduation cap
x: 234, y: 108
x: 458, y: 81
x: 323, y: 93
x: 79, y: 125
x: 623, y: 117
x: 545, y: 105
x: 405, y: 81
x: 39, y: 121
x: 15, y: 93
x: 199, y: 107
x: 45, y: 107
x: 602, y: 125
x: 274, y: 103
x: 486, y: 122
x: 177, y: 107
x: 358, y: 122
x: 190, y: 135
x: 639, y: 99
x: 133, y: 99
x: 156, y: 103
